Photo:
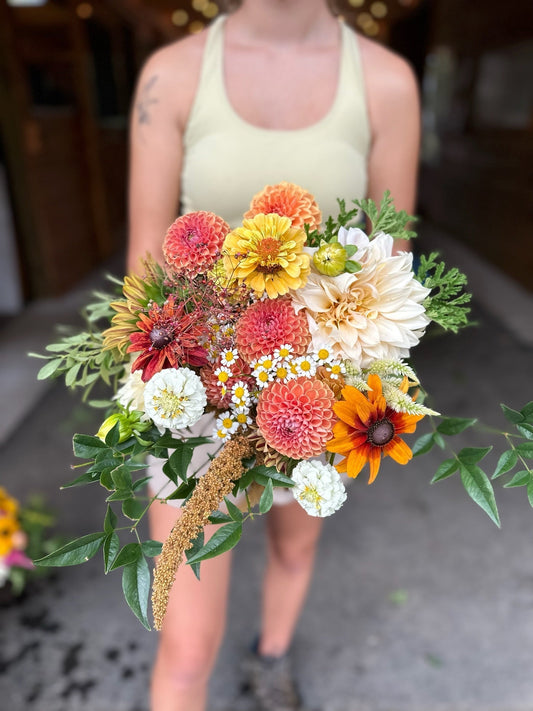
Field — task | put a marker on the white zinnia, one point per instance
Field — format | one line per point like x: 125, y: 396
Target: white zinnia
x: 373, y: 314
x: 174, y: 398
x: 318, y: 487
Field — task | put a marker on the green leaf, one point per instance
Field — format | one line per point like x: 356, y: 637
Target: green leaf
x: 72, y: 374
x: 521, y: 478
x: 48, y: 370
x: 439, y: 440
x: 133, y: 508
x: 525, y: 449
x: 88, y: 477
x: 191, y: 552
x: 77, y: 551
x: 129, y: 554
x: 530, y: 493
x: 136, y: 588
x: 352, y: 267
x: 170, y: 442
x: 423, y: 444
x: 120, y: 495
x: 267, y: 498
x: 86, y: 446
x: 446, y: 469
x: 112, y: 438
x: 178, y: 463
x: 506, y: 462
x: 471, y: 455
x: 110, y: 520
x: 151, y: 548
x: 454, y: 425
x: 224, y: 539
x: 183, y: 491
x: 140, y: 482
x: 220, y: 517
x: 526, y: 430
x: 106, y: 479
x: 512, y: 415
x: 262, y: 474
x: 479, y: 488
x: 111, y: 546
x: 121, y: 476
x: 234, y: 511
x: 527, y: 411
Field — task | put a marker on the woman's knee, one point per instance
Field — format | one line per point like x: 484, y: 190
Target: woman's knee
x: 188, y: 663
x: 293, y: 556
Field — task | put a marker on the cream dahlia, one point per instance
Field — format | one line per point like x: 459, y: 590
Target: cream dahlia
x: 318, y: 488
x: 373, y: 314
x: 174, y: 398
x: 296, y: 416
x: 193, y: 242
x: 267, y: 325
x: 288, y: 200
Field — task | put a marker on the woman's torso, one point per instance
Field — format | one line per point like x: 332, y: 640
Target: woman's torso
x: 227, y: 159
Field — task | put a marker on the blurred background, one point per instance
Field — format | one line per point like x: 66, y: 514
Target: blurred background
x: 435, y: 609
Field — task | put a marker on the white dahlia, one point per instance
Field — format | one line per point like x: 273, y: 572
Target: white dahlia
x: 174, y: 398
x: 131, y: 392
x: 318, y: 487
x: 376, y: 313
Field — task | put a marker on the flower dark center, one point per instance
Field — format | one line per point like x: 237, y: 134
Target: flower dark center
x: 380, y: 433
x: 161, y: 337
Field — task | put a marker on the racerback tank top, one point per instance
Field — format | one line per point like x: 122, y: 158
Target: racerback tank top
x: 227, y: 160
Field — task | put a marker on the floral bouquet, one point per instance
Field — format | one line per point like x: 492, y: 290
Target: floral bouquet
x: 21, y: 538
x: 275, y: 354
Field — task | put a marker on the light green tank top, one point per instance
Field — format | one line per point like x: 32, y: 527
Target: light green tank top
x: 228, y: 160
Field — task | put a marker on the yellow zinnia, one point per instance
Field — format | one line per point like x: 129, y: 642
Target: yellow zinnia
x: 266, y: 254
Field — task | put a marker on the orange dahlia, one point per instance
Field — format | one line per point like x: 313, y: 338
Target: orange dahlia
x: 296, y: 417
x: 288, y: 200
x: 193, y: 242
x: 267, y: 325
x: 218, y: 396
x: 368, y: 429
x: 168, y: 337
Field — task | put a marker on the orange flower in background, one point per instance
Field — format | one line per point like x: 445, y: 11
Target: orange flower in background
x: 193, y: 242
x: 368, y: 429
x: 288, y: 200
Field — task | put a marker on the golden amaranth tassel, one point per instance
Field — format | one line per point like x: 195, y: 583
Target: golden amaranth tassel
x: 210, y: 491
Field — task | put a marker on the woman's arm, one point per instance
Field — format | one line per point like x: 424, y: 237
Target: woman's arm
x: 164, y: 95
x: 394, y: 110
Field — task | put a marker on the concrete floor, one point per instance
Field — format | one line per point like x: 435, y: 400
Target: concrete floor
x: 419, y: 603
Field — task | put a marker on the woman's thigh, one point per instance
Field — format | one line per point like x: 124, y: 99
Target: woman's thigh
x: 196, y: 613
x: 292, y: 533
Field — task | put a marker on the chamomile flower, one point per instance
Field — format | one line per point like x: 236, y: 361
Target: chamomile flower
x: 228, y: 357
x: 283, y: 351
x: 223, y: 374
x: 336, y: 369
x: 267, y: 362
x: 306, y: 365
x: 242, y: 417
x: 221, y: 434
x: 282, y: 371
x: 263, y: 377
x: 227, y: 422
x: 240, y: 394
x: 323, y: 355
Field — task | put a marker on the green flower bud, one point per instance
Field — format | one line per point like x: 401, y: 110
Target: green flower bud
x: 125, y: 426
x: 330, y: 258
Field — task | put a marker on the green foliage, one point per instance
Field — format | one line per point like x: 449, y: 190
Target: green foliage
x: 384, y: 218
x: 447, y: 302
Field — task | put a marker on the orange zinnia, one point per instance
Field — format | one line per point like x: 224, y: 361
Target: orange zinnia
x: 368, y: 429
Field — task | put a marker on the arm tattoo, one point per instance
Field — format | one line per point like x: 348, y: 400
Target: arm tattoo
x: 145, y: 101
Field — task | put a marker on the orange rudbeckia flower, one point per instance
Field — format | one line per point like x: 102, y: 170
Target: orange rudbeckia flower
x: 368, y: 429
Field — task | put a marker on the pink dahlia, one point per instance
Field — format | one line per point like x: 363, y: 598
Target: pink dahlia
x: 296, y: 417
x: 193, y: 242
x: 267, y: 325
x: 217, y: 395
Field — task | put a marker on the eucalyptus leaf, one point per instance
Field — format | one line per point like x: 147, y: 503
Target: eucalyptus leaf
x: 75, y: 552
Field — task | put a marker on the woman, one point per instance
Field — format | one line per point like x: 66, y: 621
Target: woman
x: 278, y: 90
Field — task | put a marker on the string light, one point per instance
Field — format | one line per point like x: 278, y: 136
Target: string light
x: 195, y: 27
x: 379, y: 9
x: 200, y: 5
x: 210, y: 10
x: 84, y: 10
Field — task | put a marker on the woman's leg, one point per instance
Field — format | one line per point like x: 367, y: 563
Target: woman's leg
x: 292, y: 542
x: 193, y: 626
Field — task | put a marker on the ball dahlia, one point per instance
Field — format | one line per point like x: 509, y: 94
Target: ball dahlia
x: 220, y: 396
x: 296, y: 417
x: 193, y: 242
x: 267, y: 325
x: 288, y: 200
